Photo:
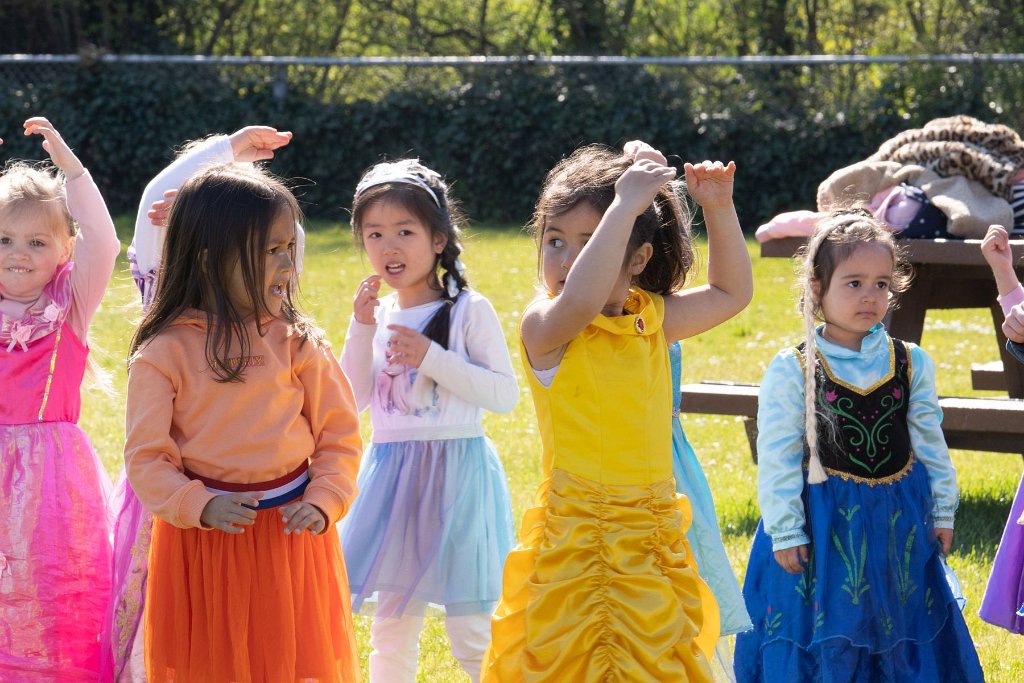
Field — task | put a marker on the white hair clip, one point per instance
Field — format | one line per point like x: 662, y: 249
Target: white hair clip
x: 408, y: 171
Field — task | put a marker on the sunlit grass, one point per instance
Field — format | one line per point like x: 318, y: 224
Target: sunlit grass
x: 502, y: 265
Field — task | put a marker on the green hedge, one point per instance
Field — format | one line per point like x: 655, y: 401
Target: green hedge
x: 495, y: 132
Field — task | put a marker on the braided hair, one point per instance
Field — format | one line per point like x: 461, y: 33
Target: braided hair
x: 423, y: 193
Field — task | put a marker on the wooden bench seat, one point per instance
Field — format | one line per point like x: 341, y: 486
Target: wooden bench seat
x: 975, y: 424
x: 988, y: 376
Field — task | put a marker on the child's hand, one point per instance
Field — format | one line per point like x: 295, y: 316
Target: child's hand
x: 793, y: 560
x: 944, y: 537
x: 257, y: 143
x: 636, y: 188
x: 365, y: 303
x: 407, y: 346
x: 161, y: 209
x: 62, y: 156
x: 710, y: 183
x: 637, y: 150
x: 300, y: 516
x: 1013, y: 324
x: 996, y: 248
x: 228, y: 512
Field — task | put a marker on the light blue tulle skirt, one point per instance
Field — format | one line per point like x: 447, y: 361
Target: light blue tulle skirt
x: 432, y: 523
x: 705, y: 537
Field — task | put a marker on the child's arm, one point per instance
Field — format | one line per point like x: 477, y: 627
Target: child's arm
x: 996, y: 250
x: 96, y: 247
x: 730, y: 279
x: 780, y: 451
x: 357, y: 354
x: 486, y: 378
x: 924, y: 417
x: 333, y: 419
x: 152, y: 458
x: 550, y: 323
x: 252, y: 143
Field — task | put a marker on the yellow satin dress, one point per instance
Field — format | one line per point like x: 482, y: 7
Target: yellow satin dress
x: 603, y: 586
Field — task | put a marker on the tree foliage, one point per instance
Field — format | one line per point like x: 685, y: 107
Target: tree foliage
x: 461, y: 27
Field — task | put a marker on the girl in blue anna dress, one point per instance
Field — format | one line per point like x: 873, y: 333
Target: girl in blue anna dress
x: 846, y: 582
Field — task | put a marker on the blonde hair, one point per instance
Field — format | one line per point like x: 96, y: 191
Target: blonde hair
x: 834, y: 241
x: 24, y: 185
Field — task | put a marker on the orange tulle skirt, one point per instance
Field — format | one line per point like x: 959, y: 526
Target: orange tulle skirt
x: 258, y: 607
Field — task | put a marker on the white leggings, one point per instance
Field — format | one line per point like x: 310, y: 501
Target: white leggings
x: 396, y: 643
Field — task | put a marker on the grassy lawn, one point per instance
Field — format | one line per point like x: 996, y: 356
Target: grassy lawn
x: 501, y: 264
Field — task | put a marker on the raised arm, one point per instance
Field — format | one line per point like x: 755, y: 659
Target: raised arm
x: 593, y: 270
x: 252, y: 143
x: 730, y: 280
x: 96, y: 246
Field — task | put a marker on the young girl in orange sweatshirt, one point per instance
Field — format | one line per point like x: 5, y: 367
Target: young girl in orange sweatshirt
x: 243, y: 441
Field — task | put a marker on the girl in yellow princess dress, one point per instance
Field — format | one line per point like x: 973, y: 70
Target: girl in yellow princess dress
x: 603, y: 585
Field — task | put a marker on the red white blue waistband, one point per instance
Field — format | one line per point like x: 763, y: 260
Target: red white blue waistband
x: 276, y: 492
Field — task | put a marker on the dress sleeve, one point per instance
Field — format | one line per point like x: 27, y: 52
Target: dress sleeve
x: 1011, y: 299
x: 780, y: 451
x: 331, y: 410
x: 152, y: 458
x: 357, y: 361
x: 149, y: 239
x: 485, y: 378
x: 924, y: 418
x: 96, y: 250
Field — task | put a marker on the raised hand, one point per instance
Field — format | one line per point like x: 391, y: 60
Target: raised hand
x: 710, y: 183
x: 638, y: 150
x: 257, y: 143
x: 636, y: 188
x: 365, y: 303
x: 61, y: 155
x: 160, y: 210
x: 228, y: 512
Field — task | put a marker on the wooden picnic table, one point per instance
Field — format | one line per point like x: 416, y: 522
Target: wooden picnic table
x: 947, y: 274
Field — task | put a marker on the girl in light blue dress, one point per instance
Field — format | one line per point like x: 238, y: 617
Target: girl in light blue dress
x: 704, y: 535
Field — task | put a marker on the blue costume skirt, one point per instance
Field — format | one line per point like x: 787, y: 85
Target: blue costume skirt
x: 872, y: 605
x: 432, y: 523
x: 704, y: 536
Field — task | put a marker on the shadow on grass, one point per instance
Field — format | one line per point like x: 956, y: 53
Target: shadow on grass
x: 979, y: 525
x: 739, y: 520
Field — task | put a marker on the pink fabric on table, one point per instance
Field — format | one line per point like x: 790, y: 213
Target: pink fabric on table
x: 789, y: 224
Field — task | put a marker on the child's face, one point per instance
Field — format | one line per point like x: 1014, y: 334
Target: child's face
x: 858, y: 294
x: 31, y: 248
x: 564, y: 237
x: 278, y: 265
x: 402, y: 250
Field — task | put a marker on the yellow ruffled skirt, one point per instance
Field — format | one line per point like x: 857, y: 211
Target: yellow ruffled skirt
x: 603, y: 587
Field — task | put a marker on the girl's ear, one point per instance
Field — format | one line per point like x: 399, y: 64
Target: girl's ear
x: 440, y: 242
x: 815, y: 291
x: 68, y: 250
x: 639, y: 259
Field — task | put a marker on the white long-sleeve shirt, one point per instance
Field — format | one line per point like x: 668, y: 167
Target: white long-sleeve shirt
x: 473, y: 375
x: 780, y: 424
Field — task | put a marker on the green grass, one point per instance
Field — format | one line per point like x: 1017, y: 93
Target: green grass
x: 501, y: 265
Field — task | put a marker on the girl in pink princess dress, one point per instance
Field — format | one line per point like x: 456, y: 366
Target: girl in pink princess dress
x: 57, y: 253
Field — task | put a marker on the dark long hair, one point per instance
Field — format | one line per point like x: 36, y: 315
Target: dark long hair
x: 589, y: 176
x: 222, y: 216
x: 440, y: 213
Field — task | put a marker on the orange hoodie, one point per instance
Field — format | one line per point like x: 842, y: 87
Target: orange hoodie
x: 294, y: 403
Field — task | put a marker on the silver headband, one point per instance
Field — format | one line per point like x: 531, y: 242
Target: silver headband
x: 408, y: 171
